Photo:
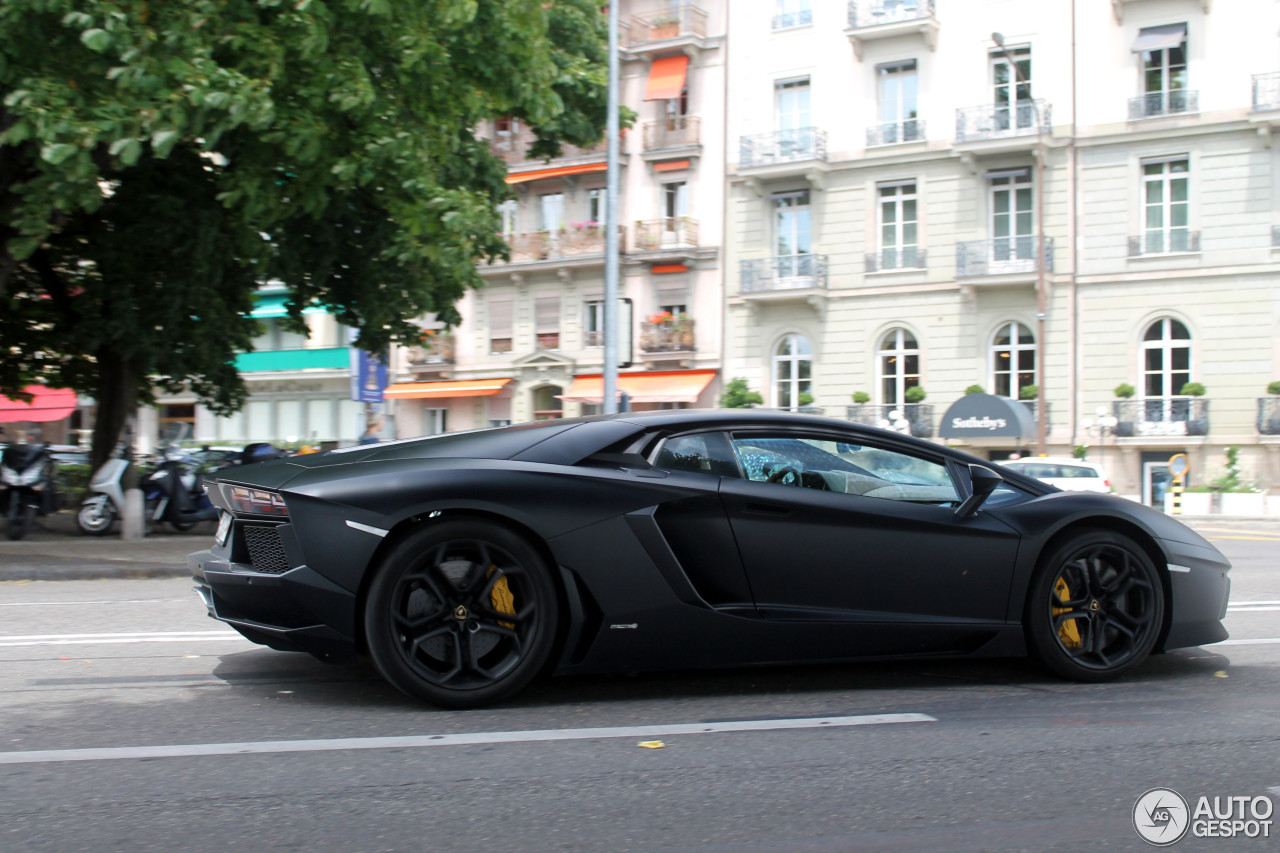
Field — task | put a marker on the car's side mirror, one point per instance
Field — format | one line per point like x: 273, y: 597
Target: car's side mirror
x: 984, y: 482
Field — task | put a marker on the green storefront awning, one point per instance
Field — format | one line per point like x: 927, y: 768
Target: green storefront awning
x: 293, y: 359
x: 270, y: 305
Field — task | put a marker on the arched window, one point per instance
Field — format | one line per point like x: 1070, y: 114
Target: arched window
x: 1013, y: 359
x: 792, y: 372
x: 899, y: 360
x: 1166, y: 358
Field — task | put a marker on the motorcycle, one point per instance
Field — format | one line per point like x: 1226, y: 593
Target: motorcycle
x: 27, y: 471
x: 175, y: 493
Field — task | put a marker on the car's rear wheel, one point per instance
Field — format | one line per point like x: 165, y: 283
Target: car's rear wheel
x: 461, y: 613
x: 1095, y: 607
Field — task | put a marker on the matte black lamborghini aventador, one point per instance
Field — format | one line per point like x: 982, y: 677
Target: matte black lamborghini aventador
x: 464, y: 564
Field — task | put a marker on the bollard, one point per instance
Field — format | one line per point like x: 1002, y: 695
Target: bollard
x: 1177, y: 495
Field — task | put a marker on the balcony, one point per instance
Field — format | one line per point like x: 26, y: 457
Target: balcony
x: 1167, y: 242
x: 1269, y: 415
x: 791, y: 20
x: 1161, y: 416
x: 917, y: 418
x: 896, y: 133
x: 1002, y: 256
x: 670, y: 336
x: 904, y: 258
x: 510, y: 147
x: 1033, y: 406
x: 674, y: 132
x: 1023, y: 121
x: 574, y: 241
x: 669, y: 28
x: 1156, y: 104
x: 783, y: 274
x: 880, y: 19
x: 435, y: 351
x: 800, y: 145
x: 671, y: 232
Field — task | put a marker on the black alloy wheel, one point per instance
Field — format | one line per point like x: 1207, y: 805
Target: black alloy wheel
x: 461, y: 613
x: 1096, y: 607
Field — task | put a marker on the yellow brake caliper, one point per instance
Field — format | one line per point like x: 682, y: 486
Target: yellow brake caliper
x: 1069, y: 634
x: 501, y: 598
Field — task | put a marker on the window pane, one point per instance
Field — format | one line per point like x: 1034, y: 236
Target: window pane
x: 1178, y: 332
x: 1155, y: 359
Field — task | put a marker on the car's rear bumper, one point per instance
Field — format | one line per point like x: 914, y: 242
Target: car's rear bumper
x: 296, y: 610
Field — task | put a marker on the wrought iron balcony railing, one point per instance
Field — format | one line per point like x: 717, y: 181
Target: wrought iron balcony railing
x: 672, y: 132
x: 434, y: 349
x: 895, y: 132
x: 1164, y: 242
x: 1001, y: 256
x: 510, y: 147
x: 788, y: 20
x: 668, y: 232
x: 1173, y: 102
x: 1159, y: 416
x: 1266, y: 91
x: 872, y: 13
x: 998, y: 121
x: 903, y: 258
x: 915, y: 418
x: 585, y: 238
x: 673, y: 336
x: 782, y: 146
x: 1033, y: 406
x: 672, y: 22
x: 1269, y: 415
x: 785, y: 272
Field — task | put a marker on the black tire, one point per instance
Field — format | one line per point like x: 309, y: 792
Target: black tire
x: 96, y: 516
x: 183, y: 526
x: 1095, y: 607
x: 439, y: 624
x: 16, y: 528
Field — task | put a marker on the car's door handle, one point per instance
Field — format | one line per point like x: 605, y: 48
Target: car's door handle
x: 766, y: 509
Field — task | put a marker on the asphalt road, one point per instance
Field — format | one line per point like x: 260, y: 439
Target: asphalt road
x: 223, y: 745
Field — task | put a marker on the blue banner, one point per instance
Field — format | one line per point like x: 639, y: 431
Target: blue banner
x: 368, y: 376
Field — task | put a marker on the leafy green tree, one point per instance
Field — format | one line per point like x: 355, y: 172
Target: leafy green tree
x: 160, y: 159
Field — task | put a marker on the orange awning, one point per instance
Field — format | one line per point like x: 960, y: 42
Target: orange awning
x: 658, y: 386
x: 50, y: 404
x: 666, y: 78
x: 538, y: 174
x: 452, y: 388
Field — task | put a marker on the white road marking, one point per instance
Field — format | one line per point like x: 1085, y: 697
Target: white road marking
x: 12, y: 640
x: 464, y: 739
x: 1262, y: 642
x: 1252, y: 608
x: 99, y: 601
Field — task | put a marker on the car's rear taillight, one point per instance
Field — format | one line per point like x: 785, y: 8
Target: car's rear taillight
x: 244, y: 500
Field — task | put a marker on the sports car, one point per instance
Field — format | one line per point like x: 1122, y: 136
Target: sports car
x: 466, y: 564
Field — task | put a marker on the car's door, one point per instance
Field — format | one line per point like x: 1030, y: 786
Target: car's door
x: 829, y: 530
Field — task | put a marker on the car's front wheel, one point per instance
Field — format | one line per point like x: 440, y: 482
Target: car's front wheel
x: 461, y: 613
x: 1095, y: 607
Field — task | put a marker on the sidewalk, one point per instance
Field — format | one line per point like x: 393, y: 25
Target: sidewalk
x: 58, y: 551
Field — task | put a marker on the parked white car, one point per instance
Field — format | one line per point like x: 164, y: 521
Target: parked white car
x: 1068, y: 474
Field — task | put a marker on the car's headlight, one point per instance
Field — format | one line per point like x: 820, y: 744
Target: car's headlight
x: 243, y: 499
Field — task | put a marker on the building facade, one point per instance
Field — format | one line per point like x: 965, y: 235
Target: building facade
x: 1075, y: 197
x: 531, y: 344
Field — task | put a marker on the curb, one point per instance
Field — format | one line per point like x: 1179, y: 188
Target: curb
x: 92, y: 572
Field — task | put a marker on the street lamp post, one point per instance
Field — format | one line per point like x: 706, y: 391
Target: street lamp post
x: 1041, y: 405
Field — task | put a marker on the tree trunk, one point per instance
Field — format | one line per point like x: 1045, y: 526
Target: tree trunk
x: 117, y: 397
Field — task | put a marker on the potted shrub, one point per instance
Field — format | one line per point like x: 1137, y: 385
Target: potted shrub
x: 918, y: 414
x: 664, y: 27
x: 1124, y: 415
x: 975, y: 389
x: 1028, y: 392
x: 805, y: 400
x: 1196, y: 413
x: 861, y: 397
x: 738, y: 396
x: 914, y: 394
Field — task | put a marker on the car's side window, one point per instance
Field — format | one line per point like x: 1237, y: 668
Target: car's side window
x: 700, y: 453
x: 836, y: 466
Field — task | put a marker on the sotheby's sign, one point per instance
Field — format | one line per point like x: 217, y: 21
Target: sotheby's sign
x: 987, y: 416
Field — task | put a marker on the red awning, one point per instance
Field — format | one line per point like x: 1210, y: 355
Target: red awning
x: 657, y: 386
x: 50, y: 404
x: 556, y: 172
x: 666, y: 78
x: 441, y: 390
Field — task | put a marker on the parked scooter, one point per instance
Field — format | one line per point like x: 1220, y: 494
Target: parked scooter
x: 27, y: 471
x: 175, y: 493
x: 100, y: 510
